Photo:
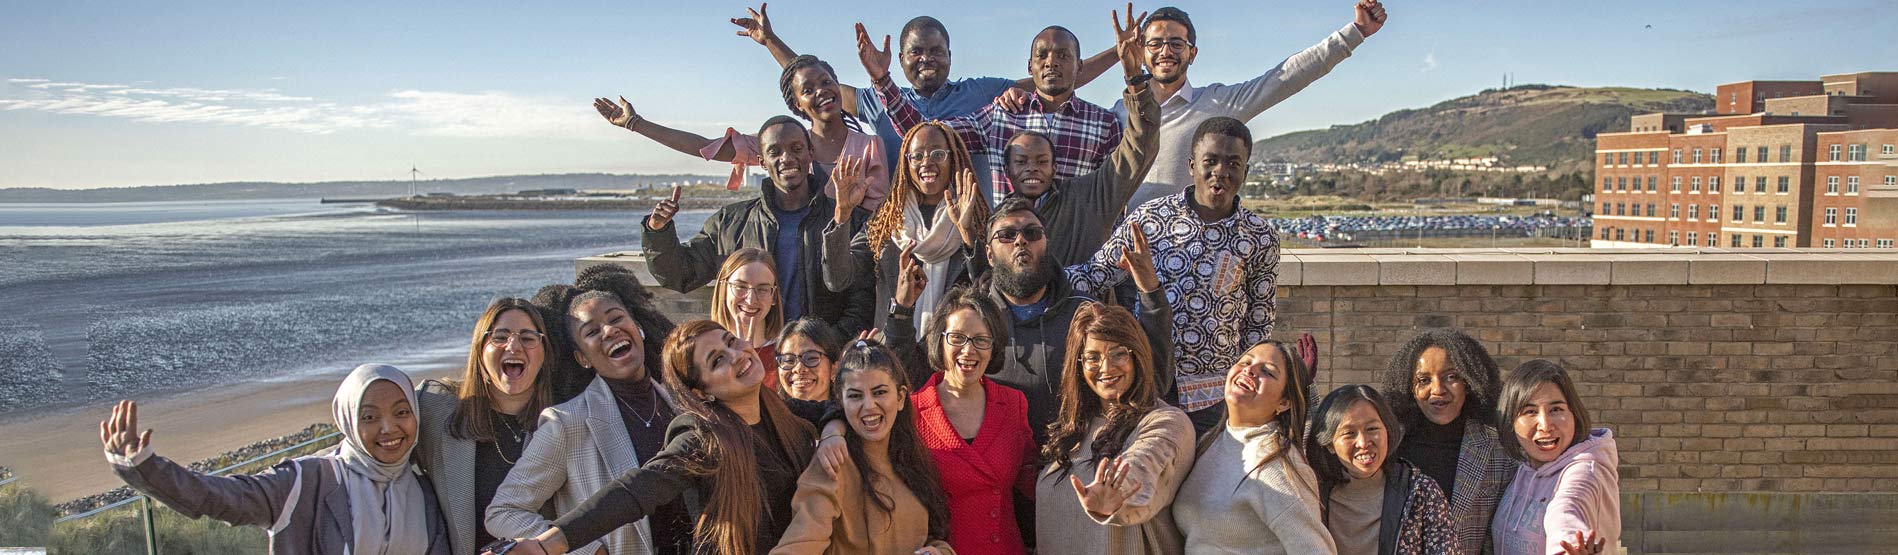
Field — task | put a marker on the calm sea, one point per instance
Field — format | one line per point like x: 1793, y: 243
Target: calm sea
x: 100, y: 301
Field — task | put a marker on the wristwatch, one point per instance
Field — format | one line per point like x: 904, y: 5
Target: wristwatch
x: 898, y: 311
x: 1136, y: 80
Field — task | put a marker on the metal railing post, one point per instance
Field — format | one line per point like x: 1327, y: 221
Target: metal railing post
x: 151, y: 528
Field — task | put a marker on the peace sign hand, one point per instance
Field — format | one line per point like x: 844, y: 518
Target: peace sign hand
x: 1370, y: 17
x: 851, y: 184
x: 758, y: 26
x: 875, y: 62
x: 1108, y: 491
x: 1137, y: 260
x: 1127, y: 41
x: 120, y: 433
x: 620, y: 115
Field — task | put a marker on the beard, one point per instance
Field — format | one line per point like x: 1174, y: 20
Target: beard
x: 1026, y: 282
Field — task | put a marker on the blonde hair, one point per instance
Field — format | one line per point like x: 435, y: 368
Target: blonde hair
x: 773, y: 319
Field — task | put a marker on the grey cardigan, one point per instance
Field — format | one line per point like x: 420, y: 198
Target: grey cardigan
x: 450, y: 464
x: 317, y: 521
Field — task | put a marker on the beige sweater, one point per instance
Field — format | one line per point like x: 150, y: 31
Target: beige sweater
x: 1160, y: 451
x: 1223, y: 509
x: 832, y: 517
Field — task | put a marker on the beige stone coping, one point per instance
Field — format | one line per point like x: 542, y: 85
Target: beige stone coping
x: 1546, y: 266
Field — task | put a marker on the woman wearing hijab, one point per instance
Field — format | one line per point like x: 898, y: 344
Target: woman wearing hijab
x: 360, y: 497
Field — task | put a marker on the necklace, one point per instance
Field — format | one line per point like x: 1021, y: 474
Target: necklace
x: 519, y: 437
x: 646, y: 420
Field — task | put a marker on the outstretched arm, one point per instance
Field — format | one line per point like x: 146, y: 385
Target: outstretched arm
x: 1302, y: 69
x: 758, y: 29
x: 244, y: 500
x: 621, y: 114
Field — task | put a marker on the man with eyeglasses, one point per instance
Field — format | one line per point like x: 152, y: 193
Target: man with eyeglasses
x: 1172, y: 45
x: 1079, y: 212
x: 787, y: 220
x: 1082, y: 132
x: 925, y: 57
x: 1040, y: 303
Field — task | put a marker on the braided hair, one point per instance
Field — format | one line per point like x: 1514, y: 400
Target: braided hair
x: 888, y: 219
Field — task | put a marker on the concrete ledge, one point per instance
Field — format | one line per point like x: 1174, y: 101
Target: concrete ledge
x: 1677, y: 266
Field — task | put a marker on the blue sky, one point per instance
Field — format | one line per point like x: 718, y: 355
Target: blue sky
x: 134, y: 93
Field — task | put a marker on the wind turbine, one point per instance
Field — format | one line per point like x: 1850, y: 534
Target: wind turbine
x: 412, y: 173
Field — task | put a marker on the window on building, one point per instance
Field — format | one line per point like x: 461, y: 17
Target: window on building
x: 1650, y: 210
x: 1735, y: 242
x: 1608, y: 159
x: 1779, y: 215
x: 1856, y: 153
x: 1863, y: 244
x: 1851, y: 216
x: 1713, y: 239
x: 1693, y: 212
x: 1832, y: 184
x: 1604, y: 209
x: 1696, y: 155
x: 1652, y: 182
x: 1620, y: 235
x: 1620, y: 209
x: 1607, y: 184
x: 1884, y: 243
x: 1832, y: 153
x: 1677, y: 156
x: 1785, y: 184
x: 1739, y: 184
x: 1677, y: 183
x: 1887, y: 150
x: 1604, y: 233
x: 1851, y: 185
x: 1759, y: 241
x: 1713, y: 212
x: 1779, y: 242
x: 1739, y: 212
x: 1621, y: 184
x: 1891, y: 181
x: 1759, y: 214
x: 1785, y: 153
x: 1832, y: 216
x: 1673, y: 238
x: 1650, y: 236
x: 1762, y: 155
x: 1673, y: 211
x: 1713, y: 157
x: 1693, y: 238
x: 1830, y: 243
x: 1739, y: 157
x: 1623, y: 157
x: 1759, y: 184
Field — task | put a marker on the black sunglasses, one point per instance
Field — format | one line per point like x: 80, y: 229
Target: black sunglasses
x: 1030, y: 234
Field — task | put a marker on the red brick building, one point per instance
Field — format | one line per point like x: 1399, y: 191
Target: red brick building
x: 1759, y: 172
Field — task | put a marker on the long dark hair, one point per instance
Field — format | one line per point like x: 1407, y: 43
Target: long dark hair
x: 472, y: 405
x: 1079, y: 404
x: 1324, y: 463
x: 1471, y: 360
x: 914, y: 467
x: 730, y: 521
x: 1291, y: 422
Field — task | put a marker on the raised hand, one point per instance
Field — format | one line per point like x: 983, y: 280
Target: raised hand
x: 1589, y: 545
x: 868, y: 334
x: 852, y: 184
x: 663, y: 212
x: 1370, y: 17
x: 120, y: 433
x: 1137, y: 260
x: 758, y: 26
x: 969, y: 208
x: 875, y: 62
x: 1127, y: 41
x: 1109, y: 490
x: 620, y: 115
x: 910, y: 279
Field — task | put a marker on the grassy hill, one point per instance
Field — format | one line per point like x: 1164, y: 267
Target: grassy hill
x: 1541, y: 125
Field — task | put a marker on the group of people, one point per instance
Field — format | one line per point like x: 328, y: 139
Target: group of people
x: 1010, y: 321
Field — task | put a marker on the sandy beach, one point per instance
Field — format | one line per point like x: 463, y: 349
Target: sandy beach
x: 57, y: 453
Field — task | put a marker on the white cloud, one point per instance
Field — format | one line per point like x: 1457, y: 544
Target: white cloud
x: 432, y: 113
x: 1429, y: 61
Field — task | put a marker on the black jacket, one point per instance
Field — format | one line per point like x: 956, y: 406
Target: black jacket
x: 1080, y: 213
x: 752, y: 223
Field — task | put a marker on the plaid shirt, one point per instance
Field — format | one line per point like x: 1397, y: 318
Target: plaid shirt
x: 1083, y: 134
x: 1219, y: 277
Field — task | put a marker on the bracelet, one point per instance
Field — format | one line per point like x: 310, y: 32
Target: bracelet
x: 631, y: 121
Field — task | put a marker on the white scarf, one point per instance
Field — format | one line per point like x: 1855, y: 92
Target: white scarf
x: 936, y: 241
x: 387, y: 509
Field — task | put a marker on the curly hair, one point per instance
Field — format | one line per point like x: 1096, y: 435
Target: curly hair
x: 789, y: 75
x: 888, y: 219
x: 1466, y: 355
x: 1080, y: 405
x: 621, y: 285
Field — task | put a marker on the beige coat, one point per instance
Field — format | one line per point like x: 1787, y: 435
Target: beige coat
x: 832, y: 517
x: 1160, y: 453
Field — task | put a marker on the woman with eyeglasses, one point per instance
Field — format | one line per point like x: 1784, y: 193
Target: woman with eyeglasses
x: 610, y: 327
x: 809, y: 87
x: 976, y: 430
x: 807, y: 359
x: 927, y: 232
x: 745, y: 300
x: 1117, y: 453
x: 473, y: 430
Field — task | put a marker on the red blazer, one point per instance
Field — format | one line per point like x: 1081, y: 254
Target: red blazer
x: 978, y: 479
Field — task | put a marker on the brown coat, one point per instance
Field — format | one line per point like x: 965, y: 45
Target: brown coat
x: 832, y: 517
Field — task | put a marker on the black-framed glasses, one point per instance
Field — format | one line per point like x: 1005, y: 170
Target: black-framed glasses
x: 1029, y: 234
x: 937, y: 155
x: 1115, y: 355
x: 1176, y: 44
x: 788, y: 362
x: 981, y: 342
x: 529, y: 339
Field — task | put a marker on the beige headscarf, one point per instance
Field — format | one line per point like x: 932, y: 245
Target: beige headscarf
x: 387, y: 507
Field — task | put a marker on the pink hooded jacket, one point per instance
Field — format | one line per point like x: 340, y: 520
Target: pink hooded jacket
x: 1581, y: 491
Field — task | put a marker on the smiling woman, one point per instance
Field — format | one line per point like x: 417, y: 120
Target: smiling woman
x: 748, y: 300
x: 1351, y: 441
x: 1566, y: 496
